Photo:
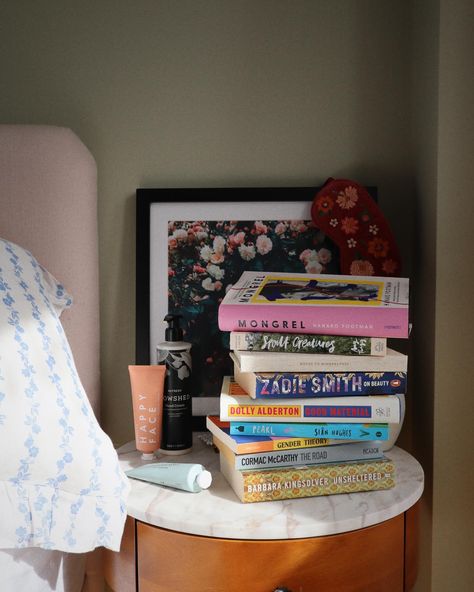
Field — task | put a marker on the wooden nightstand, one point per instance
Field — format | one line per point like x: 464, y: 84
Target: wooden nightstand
x: 209, y: 542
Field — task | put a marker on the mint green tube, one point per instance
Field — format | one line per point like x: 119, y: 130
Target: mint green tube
x: 185, y: 476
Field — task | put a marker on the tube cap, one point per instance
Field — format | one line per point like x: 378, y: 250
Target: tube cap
x: 148, y: 456
x: 204, y: 479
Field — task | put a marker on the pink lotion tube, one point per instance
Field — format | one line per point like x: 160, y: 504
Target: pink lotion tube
x: 147, y: 384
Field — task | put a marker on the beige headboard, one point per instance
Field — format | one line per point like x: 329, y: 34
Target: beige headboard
x: 48, y: 204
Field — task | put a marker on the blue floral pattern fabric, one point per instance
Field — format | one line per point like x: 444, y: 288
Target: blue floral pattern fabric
x: 61, y: 486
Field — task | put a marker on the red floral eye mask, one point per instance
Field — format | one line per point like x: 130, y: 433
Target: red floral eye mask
x: 349, y: 216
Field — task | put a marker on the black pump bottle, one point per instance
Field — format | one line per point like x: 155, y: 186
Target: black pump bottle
x: 177, y: 433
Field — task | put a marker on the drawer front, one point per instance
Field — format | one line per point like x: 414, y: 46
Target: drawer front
x: 366, y: 560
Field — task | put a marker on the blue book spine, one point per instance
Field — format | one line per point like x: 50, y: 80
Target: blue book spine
x: 328, y: 384
x: 337, y: 431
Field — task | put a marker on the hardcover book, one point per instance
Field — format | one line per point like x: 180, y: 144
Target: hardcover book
x: 372, y: 409
x: 307, y: 303
x: 302, y: 343
x: 336, y: 453
x: 334, y: 431
x: 245, y: 444
x: 263, y: 485
x: 275, y: 385
x: 257, y: 361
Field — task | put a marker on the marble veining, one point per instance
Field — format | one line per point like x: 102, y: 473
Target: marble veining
x: 217, y: 512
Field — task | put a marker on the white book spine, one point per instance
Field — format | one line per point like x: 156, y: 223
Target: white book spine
x: 309, y: 456
x: 252, y: 361
x: 353, y: 409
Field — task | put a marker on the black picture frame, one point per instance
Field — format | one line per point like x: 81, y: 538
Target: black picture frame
x: 292, y: 200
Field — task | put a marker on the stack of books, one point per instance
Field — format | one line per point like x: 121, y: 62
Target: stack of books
x: 315, y: 392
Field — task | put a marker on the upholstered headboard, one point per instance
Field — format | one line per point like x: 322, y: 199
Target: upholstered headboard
x: 48, y: 204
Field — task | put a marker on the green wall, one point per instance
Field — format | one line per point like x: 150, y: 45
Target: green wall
x: 214, y: 93
x: 190, y: 93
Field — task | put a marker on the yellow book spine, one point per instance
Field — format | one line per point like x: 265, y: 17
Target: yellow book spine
x: 259, y: 486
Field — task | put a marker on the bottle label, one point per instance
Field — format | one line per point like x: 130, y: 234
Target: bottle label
x: 177, y: 400
x: 179, y: 361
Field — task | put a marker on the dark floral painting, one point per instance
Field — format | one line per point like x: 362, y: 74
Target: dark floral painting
x: 206, y: 258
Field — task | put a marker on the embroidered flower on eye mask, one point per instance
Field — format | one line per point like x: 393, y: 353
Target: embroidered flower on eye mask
x: 361, y: 267
x: 349, y: 225
x: 348, y: 198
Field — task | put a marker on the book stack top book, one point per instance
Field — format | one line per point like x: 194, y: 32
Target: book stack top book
x: 310, y: 304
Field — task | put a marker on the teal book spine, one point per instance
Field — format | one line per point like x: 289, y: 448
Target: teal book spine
x: 337, y: 431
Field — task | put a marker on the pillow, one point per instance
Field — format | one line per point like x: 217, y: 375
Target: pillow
x: 60, y: 482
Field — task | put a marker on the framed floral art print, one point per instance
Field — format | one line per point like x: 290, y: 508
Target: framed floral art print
x: 193, y: 244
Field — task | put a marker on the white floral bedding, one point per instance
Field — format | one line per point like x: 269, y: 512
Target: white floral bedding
x: 60, y: 482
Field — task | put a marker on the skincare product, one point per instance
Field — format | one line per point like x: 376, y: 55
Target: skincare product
x: 147, y: 384
x: 174, y: 353
x: 186, y: 476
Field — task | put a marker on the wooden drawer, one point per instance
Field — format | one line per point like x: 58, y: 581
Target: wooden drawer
x: 366, y: 560
x: 153, y: 559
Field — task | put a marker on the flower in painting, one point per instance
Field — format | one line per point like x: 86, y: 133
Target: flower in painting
x: 313, y: 266
x: 349, y: 225
x: 264, y: 244
x: 205, y: 253
x: 373, y: 229
x: 311, y: 261
x: 351, y: 243
x: 208, y: 284
x: 201, y: 235
x: 236, y: 239
x: 280, y: 228
x: 218, y: 285
x: 378, y: 247
x: 347, y: 199
x: 215, y: 271
x: 334, y: 222
x: 180, y: 234
x: 172, y: 242
x: 260, y: 228
x: 306, y: 255
x: 389, y: 266
x: 325, y: 256
x: 219, y: 244
x: 247, y: 252
x: 199, y: 269
x: 298, y: 226
x: 325, y: 204
x: 217, y: 258
x: 361, y: 267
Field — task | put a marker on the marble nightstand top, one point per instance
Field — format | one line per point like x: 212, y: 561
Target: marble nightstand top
x: 217, y: 512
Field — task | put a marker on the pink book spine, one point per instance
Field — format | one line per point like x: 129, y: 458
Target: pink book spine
x: 347, y: 320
